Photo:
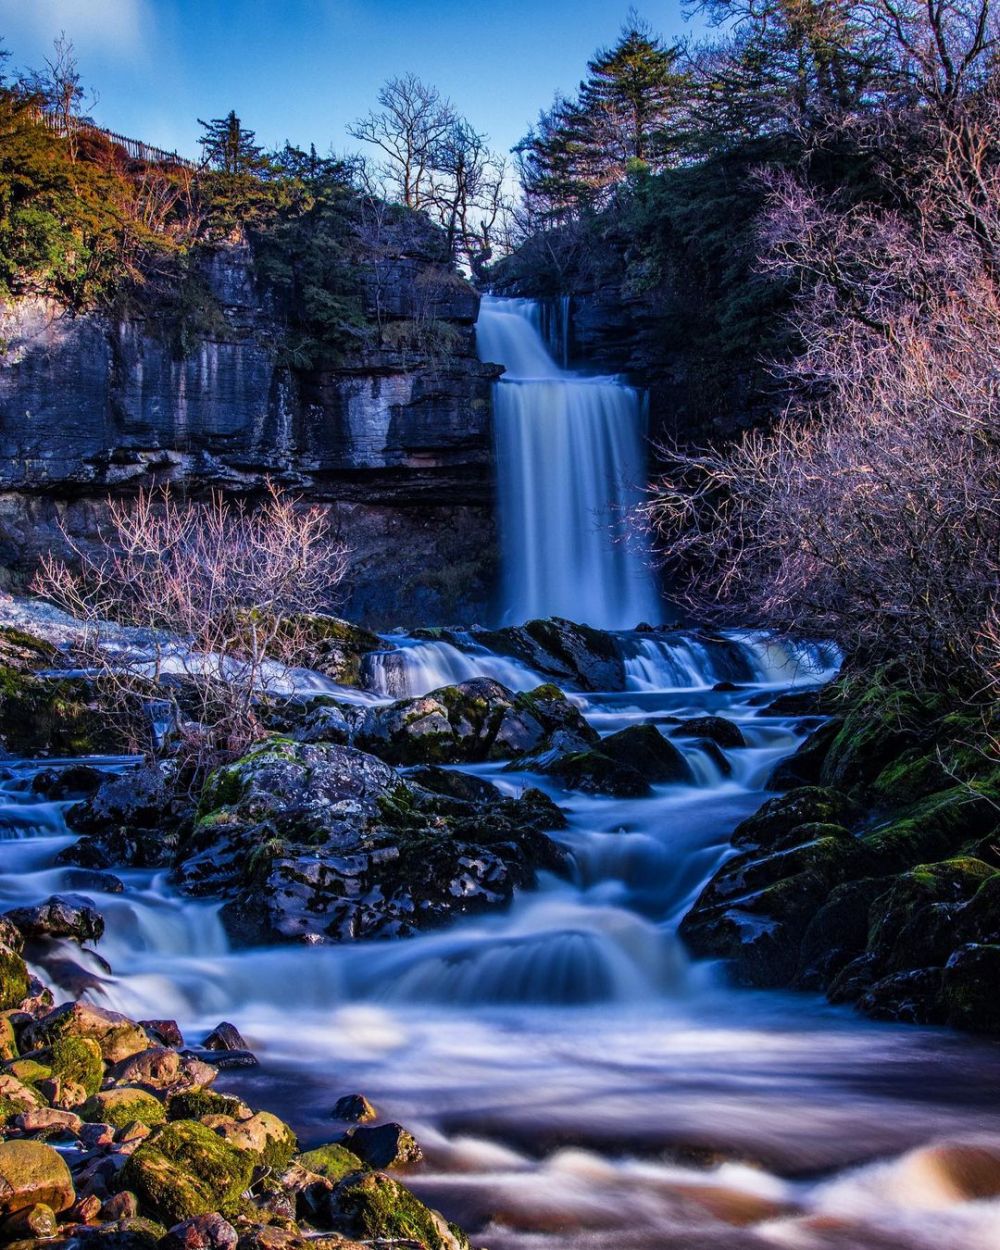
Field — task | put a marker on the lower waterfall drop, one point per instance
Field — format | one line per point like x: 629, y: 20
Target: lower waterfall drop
x: 571, y: 465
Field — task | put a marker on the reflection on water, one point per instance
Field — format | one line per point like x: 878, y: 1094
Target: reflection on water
x: 574, y: 1079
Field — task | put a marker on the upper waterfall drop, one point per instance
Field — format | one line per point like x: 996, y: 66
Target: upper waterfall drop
x: 570, y: 465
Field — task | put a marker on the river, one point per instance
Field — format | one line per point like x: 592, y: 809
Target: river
x: 575, y: 1080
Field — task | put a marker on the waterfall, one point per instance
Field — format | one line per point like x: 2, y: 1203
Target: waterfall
x: 570, y: 464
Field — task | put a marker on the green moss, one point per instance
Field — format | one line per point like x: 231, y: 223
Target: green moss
x: 79, y: 1059
x: 184, y: 1170
x: 29, y: 1071
x: 192, y: 1104
x: 378, y: 1208
x: 8, y: 1039
x: 13, y: 978
x: 123, y: 1106
x: 332, y: 1161
x: 933, y: 829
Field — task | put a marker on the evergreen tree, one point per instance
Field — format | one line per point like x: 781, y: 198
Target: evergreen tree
x: 620, y: 122
x: 229, y: 147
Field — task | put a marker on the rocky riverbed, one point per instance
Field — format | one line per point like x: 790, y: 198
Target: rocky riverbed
x: 535, y: 832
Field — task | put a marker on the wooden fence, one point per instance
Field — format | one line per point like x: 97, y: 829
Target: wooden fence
x: 135, y: 148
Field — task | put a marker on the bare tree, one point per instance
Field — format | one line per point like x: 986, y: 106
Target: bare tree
x: 413, y: 119
x: 870, y: 512
x: 219, y: 593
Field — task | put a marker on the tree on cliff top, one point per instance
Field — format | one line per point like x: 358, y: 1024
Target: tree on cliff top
x: 230, y: 147
x: 620, y: 122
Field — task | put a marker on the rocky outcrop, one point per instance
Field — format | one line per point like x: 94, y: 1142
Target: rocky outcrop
x: 396, y: 440
x: 881, y: 884
x: 109, y: 1138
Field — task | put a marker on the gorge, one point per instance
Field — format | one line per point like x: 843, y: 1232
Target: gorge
x: 572, y: 1075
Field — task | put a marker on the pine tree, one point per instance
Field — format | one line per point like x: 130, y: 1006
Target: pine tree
x: 620, y: 122
x: 229, y: 147
x: 627, y: 100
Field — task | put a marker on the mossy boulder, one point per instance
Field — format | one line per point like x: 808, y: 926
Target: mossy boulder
x: 184, y: 1170
x: 60, y: 715
x: 13, y: 978
x: 717, y: 729
x: 333, y: 646
x: 192, y: 1104
x: 30, y: 1173
x: 262, y: 1133
x: 116, y: 1035
x: 587, y: 658
x: 468, y: 722
x: 318, y: 840
x: 645, y: 749
x: 332, y: 1161
x: 372, y: 1207
x: 802, y: 806
x: 123, y: 1106
x: 884, y: 721
x: 913, y: 924
x: 78, y: 1059
x: 969, y: 988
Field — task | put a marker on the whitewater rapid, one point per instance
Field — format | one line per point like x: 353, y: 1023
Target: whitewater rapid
x: 576, y: 1081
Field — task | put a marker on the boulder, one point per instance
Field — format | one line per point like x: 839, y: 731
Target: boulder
x: 185, y: 1170
x: 14, y: 985
x: 645, y: 749
x: 122, y: 1106
x: 723, y: 732
x: 387, y: 1146
x: 587, y: 658
x: 331, y: 646
x: 158, y: 1067
x: 31, y: 1173
x: 129, y: 819
x: 203, y: 1232
x: 77, y: 1061
x: 314, y: 840
x: 469, y: 722
x: 354, y: 1107
x: 969, y: 988
x: 70, y: 916
x: 333, y: 1161
x: 801, y: 806
x: 373, y: 1207
x: 225, y: 1036
x: 116, y: 1035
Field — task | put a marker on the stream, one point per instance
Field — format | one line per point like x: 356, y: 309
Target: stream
x: 574, y: 1079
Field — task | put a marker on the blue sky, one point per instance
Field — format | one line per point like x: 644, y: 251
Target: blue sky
x: 304, y: 69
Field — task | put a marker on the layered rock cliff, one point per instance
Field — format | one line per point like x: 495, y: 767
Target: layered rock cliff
x: 395, y: 438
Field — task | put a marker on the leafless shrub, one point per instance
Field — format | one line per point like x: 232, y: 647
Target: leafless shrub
x: 870, y: 512
x: 213, y: 594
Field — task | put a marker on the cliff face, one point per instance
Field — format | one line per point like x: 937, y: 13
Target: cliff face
x: 397, y: 442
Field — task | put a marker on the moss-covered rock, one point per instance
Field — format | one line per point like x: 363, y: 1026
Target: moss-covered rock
x: 645, y: 749
x: 969, y: 988
x: 49, y: 714
x: 13, y: 978
x: 331, y: 1161
x: 372, y: 1206
x: 184, y: 1170
x: 116, y: 1035
x: 801, y: 806
x: 192, y: 1104
x: 123, y: 1106
x: 884, y: 721
x: 31, y: 1172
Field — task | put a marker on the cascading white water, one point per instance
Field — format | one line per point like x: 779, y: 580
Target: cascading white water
x: 570, y: 466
